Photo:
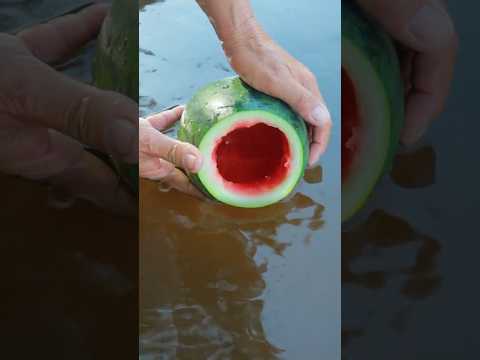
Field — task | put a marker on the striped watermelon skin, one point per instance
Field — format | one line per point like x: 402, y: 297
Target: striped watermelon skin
x: 116, y: 64
x: 223, y: 98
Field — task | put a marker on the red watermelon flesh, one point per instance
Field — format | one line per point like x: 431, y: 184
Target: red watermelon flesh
x: 350, y: 124
x: 252, y: 157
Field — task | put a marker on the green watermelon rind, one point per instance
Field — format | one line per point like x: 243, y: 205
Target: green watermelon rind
x: 219, y: 103
x: 115, y: 66
x: 363, y: 42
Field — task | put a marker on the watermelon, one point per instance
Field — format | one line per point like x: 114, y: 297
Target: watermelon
x: 372, y: 106
x: 255, y: 147
x: 116, y: 64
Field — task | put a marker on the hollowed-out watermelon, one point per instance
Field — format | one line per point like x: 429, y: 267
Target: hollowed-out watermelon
x: 255, y: 147
x: 116, y: 64
x: 372, y: 107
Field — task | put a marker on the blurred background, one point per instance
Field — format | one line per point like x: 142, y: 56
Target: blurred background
x: 68, y: 277
x: 409, y: 287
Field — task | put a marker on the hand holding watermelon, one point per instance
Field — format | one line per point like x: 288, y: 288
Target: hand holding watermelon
x: 428, y: 43
x: 267, y: 67
x: 46, y: 118
x: 162, y: 157
x: 385, y: 99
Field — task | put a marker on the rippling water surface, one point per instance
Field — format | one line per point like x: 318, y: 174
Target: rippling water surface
x: 225, y: 283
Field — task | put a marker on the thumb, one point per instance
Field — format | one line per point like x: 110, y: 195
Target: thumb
x: 308, y: 105
x: 105, y: 120
x: 423, y: 25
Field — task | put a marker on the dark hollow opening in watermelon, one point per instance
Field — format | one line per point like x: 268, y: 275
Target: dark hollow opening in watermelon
x: 253, y: 155
x: 350, y: 123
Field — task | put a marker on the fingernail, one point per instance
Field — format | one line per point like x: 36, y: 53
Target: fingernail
x: 312, y: 164
x: 320, y: 115
x: 122, y: 140
x: 431, y: 26
x: 191, y: 163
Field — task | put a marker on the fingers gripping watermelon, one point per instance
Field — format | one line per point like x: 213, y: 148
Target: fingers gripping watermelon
x: 255, y: 147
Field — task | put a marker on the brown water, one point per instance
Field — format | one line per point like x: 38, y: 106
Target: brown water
x: 224, y: 283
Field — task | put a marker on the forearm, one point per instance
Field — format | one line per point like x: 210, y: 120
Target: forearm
x: 233, y: 20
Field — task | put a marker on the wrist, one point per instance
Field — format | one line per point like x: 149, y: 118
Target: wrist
x: 248, y: 34
x: 241, y: 23
x: 233, y: 20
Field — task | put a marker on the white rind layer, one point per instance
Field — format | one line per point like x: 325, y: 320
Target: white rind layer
x: 375, y: 117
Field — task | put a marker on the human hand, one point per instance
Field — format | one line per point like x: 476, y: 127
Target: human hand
x: 47, y: 118
x: 428, y: 45
x: 267, y: 67
x: 162, y: 157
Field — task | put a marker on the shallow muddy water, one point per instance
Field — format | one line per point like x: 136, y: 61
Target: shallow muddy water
x: 224, y: 283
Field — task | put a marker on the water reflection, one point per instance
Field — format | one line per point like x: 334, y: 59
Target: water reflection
x: 415, y: 169
x: 374, y: 240
x: 386, y: 258
x: 202, y: 285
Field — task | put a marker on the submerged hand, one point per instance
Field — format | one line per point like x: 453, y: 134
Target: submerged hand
x: 264, y: 65
x: 46, y: 118
x: 162, y: 157
x: 429, y: 44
